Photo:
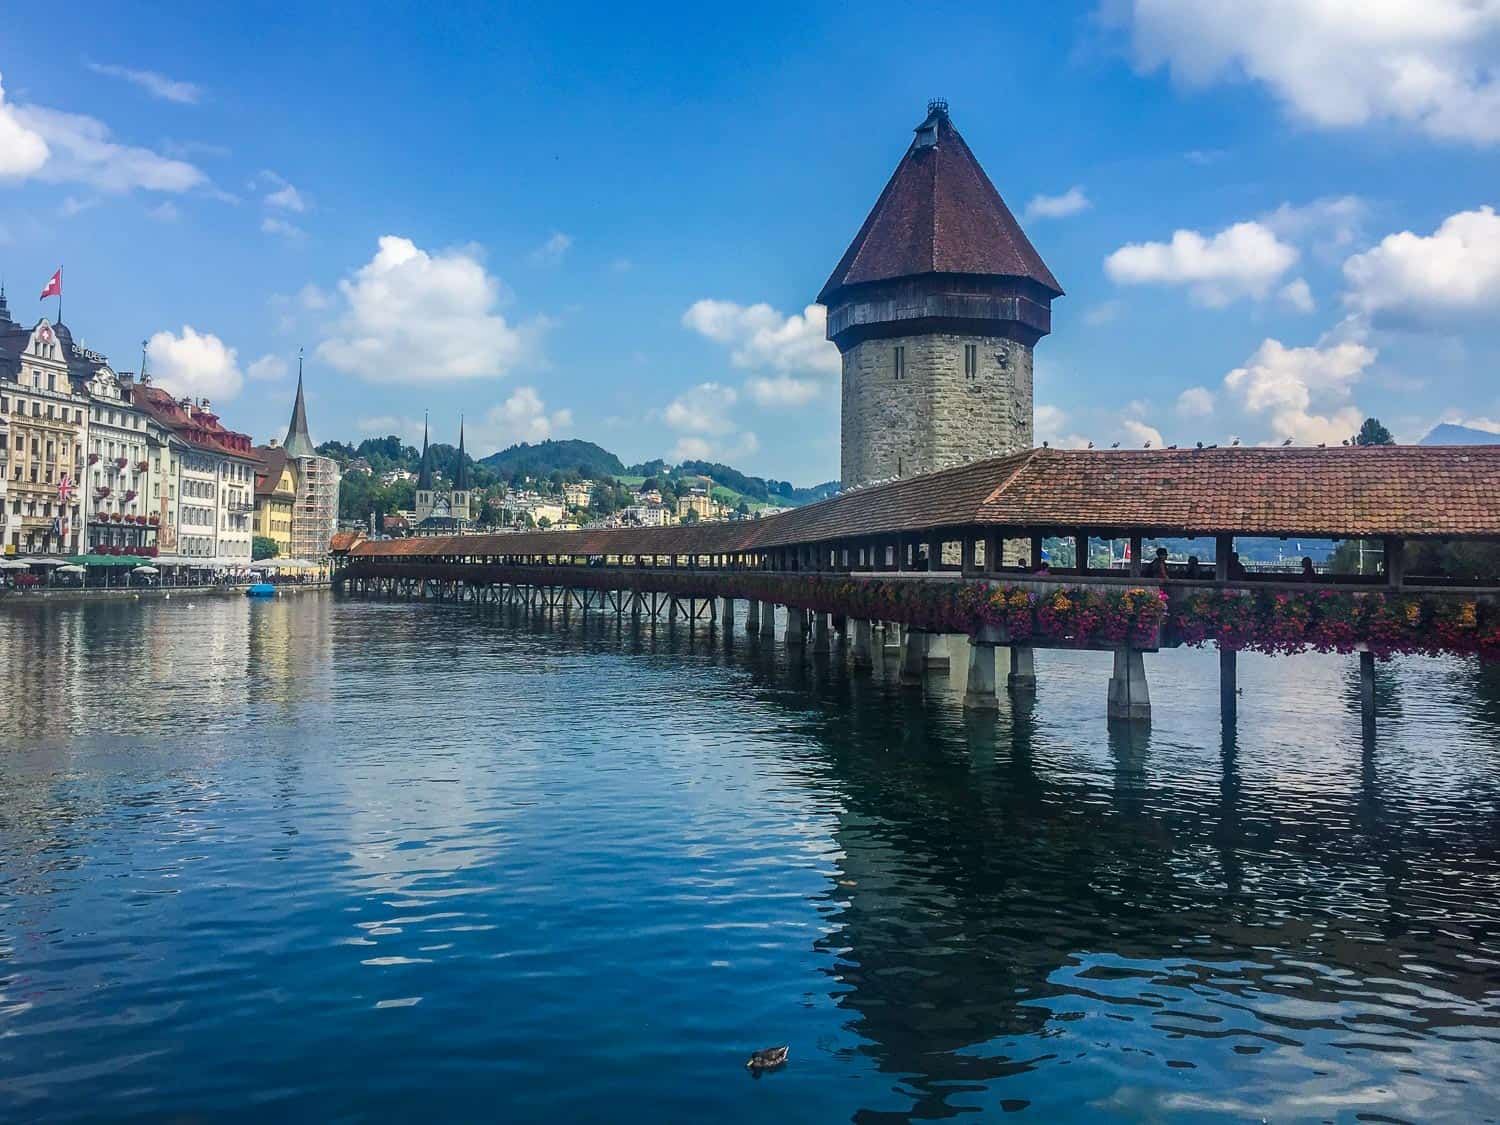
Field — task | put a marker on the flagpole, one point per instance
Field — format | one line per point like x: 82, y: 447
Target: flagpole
x: 59, y: 294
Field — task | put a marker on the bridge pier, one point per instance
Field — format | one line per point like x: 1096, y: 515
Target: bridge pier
x: 1022, y: 678
x: 820, y: 634
x: 728, y: 614
x: 937, y: 652
x: 768, y: 620
x: 864, y: 645
x: 979, y: 691
x: 1129, y: 697
x: 752, y: 617
x: 913, y: 658
x: 796, y: 627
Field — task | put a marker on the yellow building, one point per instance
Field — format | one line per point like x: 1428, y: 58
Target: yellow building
x: 275, y: 496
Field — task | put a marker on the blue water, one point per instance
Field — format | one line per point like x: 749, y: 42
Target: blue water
x: 312, y: 859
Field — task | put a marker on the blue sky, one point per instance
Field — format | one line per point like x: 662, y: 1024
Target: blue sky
x: 1270, y: 219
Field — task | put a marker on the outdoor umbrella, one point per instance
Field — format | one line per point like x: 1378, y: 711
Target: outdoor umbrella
x: 145, y: 570
x: 14, y: 564
x: 70, y: 569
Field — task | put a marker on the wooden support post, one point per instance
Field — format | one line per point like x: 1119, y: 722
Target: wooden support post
x: 752, y: 616
x: 728, y: 614
x: 993, y: 549
x: 966, y: 561
x: 1223, y: 548
x: 1367, y: 694
x: 1229, y: 691
x: 1036, y: 552
x: 768, y: 620
x: 1135, y: 556
x: 1081, y: 551
x: 1395, y: 562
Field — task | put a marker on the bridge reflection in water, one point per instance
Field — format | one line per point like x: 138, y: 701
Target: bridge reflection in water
x: 1001, y: 889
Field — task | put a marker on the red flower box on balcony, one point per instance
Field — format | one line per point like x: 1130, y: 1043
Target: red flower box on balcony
x: 115, y: 516
x: 102, y: 491
x: 154, y: 518
x: 141, y: 466
x: 130, y: 494
x: 149, y: 552
x: 93, y: 458
x: 121, y: 462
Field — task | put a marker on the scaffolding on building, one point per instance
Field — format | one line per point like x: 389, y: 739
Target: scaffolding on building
x: 315, y: 512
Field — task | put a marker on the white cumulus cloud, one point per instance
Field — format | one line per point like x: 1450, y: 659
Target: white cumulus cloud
x: 760, y: 337
x: 193, y: 363
x: 79, y: 149
x: 1303, y: 393
x: 1426, y: 64
x: 1142, y: 434
x: 412, y: 316
x: 1412, y: 280
x: 702, y: 415
x: 782, y: 390
x: 521, y: 417
x: 1195, y: 402
x: 267, y: 367
x: 1070, y: 202
x: 1244, y: 260
x: 157, y: 85
x: 1297, y: 294
x: 23, y: 151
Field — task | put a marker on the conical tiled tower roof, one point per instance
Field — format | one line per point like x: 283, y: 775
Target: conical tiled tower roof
x: 939, y: 214
x: 299, y: 442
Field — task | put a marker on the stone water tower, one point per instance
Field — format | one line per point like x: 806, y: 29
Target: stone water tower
x: 935, y: 308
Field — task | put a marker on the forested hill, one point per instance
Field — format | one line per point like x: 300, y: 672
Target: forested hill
x: 571, y: 455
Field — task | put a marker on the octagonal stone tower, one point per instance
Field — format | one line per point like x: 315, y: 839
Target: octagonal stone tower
x: 935, y: 308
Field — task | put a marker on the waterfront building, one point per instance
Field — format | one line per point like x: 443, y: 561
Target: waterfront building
x: 275, y: 496
x: 935, y: 309
x: 216, y: 478
x: 315, y: 510
x: 121, y: 496
x: 440, y: 510
x: 48, y: 420
x: 579, y: 495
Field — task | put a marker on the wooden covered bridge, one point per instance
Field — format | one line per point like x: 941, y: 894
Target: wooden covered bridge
x: 957, y: 552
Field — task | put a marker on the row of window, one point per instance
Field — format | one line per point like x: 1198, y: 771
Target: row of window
x: 123, y: 419
x: 61, y: 413
x: 46, y: 506
x: 199, y: 489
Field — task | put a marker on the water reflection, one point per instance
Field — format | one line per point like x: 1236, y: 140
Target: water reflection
x: 582, y: 862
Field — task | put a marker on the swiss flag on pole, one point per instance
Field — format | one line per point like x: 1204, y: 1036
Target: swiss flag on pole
x: 54, y: 287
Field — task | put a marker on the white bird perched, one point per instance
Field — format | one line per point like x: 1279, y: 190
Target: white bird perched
x: 1172, y: 446
x: 1147, y: 445
x: 1236, y: 441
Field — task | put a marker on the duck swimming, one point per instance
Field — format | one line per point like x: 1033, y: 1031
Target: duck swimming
x: 768, y: 1059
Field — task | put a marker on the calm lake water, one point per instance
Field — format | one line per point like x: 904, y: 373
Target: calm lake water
x: 317, y: 859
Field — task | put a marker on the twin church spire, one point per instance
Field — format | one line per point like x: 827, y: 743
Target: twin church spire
x: 428, y: 465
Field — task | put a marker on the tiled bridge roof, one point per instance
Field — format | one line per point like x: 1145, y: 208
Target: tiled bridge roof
x: 1344, y: 492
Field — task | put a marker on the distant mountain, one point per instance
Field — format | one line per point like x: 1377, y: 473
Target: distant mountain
x: 1450, y: 434
x: 546, y: 457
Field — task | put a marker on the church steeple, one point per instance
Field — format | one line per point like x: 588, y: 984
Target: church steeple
x: 298, y: 441
x: 461, y: 470
x: 4, y: 308
x: 424, y: 474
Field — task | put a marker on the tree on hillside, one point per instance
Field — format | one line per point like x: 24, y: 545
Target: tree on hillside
x: 1373, y: 433
x: 263, y: 547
